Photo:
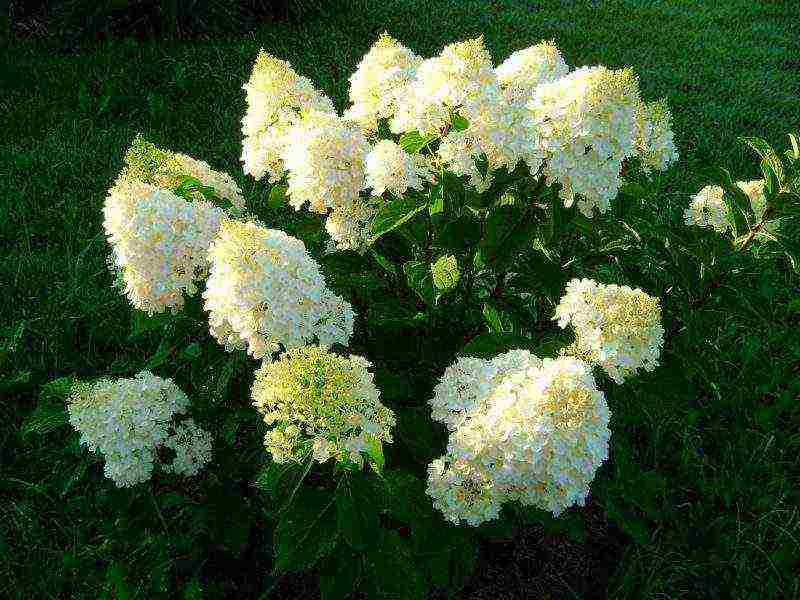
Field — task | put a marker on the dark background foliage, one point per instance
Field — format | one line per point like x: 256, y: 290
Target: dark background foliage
x: 700, y: 497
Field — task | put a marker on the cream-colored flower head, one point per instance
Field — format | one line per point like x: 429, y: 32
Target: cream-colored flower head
x: 587, y: 125
x: 521, y: 73
x: 159, y: 242
x: 390, y: 168
x: 380, y: 81
x: 754, y: 190
x: 466, y: 384
x: 655, y: 139
x: 707, y: 209
x: 322, y: 405
x: 538, y: 436
x: 147, y: 163
x: 457, y: 77
x: 127, y: 420
x: 461, y: 492
x: 276, y: 95
x: 265, y: 290
x: 325, y: 161
x: 349, y: 226
x: 192, y: 447
x: 616, y: 327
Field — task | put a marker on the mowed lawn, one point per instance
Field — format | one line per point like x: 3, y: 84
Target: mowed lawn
x: 713, y: 437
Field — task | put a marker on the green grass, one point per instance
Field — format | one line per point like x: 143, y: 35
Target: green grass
x: 705, y: 473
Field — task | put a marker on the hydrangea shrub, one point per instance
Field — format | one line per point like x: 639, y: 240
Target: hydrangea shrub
x: 429, y: 365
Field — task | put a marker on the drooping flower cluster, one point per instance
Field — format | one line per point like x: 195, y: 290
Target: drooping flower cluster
x: 616, y: 327
x: 147, y: 163
x: 276, y: 96
x: 322, y: 405
x: 380, y: 81
x: 127, y: 420
x: 707, y: 209
x: 538, y: 436
x: 265, y: 290
x: 159, y: 242
x: 390, y: 168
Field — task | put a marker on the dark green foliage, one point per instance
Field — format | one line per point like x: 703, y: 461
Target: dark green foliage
x: 700, y: 497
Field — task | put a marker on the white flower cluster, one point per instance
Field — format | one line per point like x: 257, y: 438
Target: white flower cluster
x: 655, y: 140
x: 707, y: 209
x: 587, y: 125
x: 276, y: 96
x: 521, y: 73
x: 321, y: 405
x: 538, y: 435
x: 127, y: 420
x: 390, y: 168
x: 148, y: 163
x: 380, y: 81
x: 529, y: 109
x: 325, y: 161
x: 265, y: 289
x: 616, y: 327
x: 159, y: 242
x: 192, y: 447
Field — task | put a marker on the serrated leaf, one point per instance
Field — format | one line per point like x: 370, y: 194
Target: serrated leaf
x: 445, y: 273
x: 420, y: 279
x: 498, y: 322
x: 393, y: 214
x: 412, y: 142
x: 277, y: 196
x: 357, y: 510
x: 306, y: 531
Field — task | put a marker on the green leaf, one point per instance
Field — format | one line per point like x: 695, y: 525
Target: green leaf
x: 47, y: 417
x: 339, y: 574
x: 277, y: 196
x: 279, y: 480
x: 393, y: 214
x: 419, y: 433
x: 412, y: 142
x: 795, y: 151
x: 459, y: 122
x: 498, y: 322
x: 445, y: 273
x: 117, y: 576
x: 141, y: 323
x: 391, y: 573
x: 374, y: 449
x: 306, y: 531
x: 357, y: 510
x: 192, y: 352
x: 489, y: 345
x: 740, y: 210
x: 420, y: 279
x: 767, y: 155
